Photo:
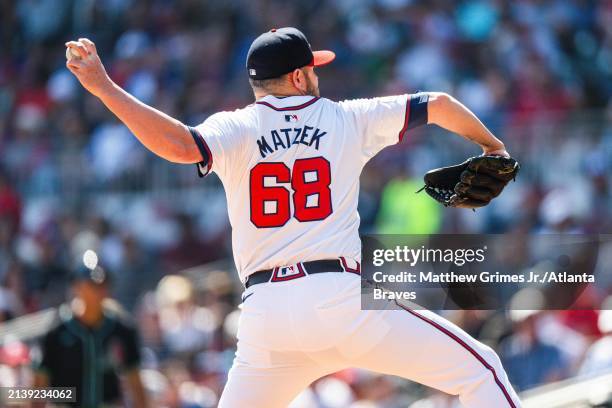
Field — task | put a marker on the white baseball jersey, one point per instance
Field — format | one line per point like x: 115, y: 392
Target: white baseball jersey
x: 290, y: 168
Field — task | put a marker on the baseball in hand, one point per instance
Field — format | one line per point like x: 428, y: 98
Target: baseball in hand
x: 72, y: 54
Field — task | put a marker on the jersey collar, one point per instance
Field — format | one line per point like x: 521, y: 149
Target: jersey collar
x: 287, y: 103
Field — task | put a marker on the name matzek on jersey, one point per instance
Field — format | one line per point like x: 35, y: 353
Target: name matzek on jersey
x: 290, y: 167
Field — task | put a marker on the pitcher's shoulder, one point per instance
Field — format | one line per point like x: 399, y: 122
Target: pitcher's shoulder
x: 239, y: 118
x: 340, y: 105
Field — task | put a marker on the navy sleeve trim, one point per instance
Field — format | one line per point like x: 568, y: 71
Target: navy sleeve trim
x: 418, y: 110
x: 207, y: 160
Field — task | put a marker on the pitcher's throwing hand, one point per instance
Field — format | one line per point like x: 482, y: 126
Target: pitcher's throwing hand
x: 86, y: 65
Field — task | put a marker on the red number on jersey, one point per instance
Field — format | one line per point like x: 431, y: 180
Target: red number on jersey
x: 311, y: 193
x: 311, y: 179
x: 277, y: 197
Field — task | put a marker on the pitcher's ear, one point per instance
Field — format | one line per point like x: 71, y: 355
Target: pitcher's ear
x: 298, y: 79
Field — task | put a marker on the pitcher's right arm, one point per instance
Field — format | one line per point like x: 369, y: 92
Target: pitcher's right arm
x: 158, y: 132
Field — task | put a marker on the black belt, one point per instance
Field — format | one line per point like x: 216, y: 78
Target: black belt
x: 284, y: 273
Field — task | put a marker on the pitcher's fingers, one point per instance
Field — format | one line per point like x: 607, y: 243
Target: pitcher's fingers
x: 80, y: 48
x: 74, y: 64
x: 71, y: 68
x: 89, y: 45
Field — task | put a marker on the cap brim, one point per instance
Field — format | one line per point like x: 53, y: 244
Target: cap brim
x: 322, y: 57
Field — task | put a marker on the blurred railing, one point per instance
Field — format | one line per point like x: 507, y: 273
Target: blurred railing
x: 578, y: 392
x: 27, y: 327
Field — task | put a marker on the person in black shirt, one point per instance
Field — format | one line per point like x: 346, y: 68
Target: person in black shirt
x: 90, y: 345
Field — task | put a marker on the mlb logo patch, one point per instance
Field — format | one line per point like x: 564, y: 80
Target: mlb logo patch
x: 291, y: 118
x: 285, y: 273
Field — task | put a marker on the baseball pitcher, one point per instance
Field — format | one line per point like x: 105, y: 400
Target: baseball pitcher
x: 290, y: 164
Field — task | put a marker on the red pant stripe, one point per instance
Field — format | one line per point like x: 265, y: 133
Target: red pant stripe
x: 465, y: 346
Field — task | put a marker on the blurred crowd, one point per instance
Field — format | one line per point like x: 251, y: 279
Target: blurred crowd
x: 538, y: 73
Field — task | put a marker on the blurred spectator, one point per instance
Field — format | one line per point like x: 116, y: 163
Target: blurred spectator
x: 10, y: 206
x: 186, y: 327
x: 14, y: 363
x: 88, y: 327
x: 10, y: 305
x: 403, y: 212
x: 528, y: 359
x: 190, y: 249
x: 599, y: 356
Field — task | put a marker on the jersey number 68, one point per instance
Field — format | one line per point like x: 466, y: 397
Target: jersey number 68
x: 310, y: 180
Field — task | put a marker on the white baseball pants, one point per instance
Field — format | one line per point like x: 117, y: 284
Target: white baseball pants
x: 292, y: 333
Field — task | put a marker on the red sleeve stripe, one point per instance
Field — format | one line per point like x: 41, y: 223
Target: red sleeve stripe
x: 406, y: 120
x: 210, y: 156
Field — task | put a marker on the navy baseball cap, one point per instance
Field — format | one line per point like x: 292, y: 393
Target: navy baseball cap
x: 280, y: 51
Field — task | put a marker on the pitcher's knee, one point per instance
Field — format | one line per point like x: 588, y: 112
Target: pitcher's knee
x: 487, y: 380
x: 484, y: 367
